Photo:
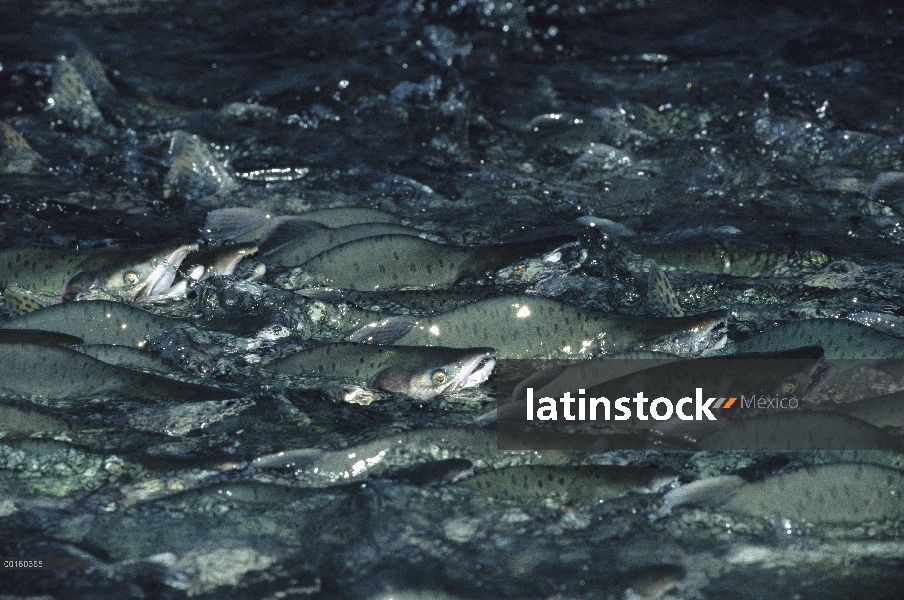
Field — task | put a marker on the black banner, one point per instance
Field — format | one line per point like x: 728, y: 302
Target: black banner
x: 776, y: 401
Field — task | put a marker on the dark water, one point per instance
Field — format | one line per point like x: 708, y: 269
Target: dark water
x: 764, y: 124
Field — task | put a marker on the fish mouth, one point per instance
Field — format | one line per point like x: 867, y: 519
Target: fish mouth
x: 218, y: 261
x: 234, y: 257
x: 160, y: 281
x: 475, y: 369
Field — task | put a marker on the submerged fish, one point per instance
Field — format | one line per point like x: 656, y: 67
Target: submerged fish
x: 800, y: 430
x: 15, y: 421
x: 38, y: 336
x: 129, y: 357
x: 35, y: 277
x: 775, y: 375
x: 425, y: 302
x: 96, y: 322
x: 301, y: 249
x: 582, y: 487
x: 882, y: 411
x: 404, y: 261
x: 422, y: 373
x: 840, y: 338
x: 51, y: 372
x: 536, y: 327
x: 841, y: 493
x: 771, y: 374
x: 555, y: 381
x: 837, y: 493
x: 240, y: 224
x: 402, y: 450
x: 728, y: 259
x: 888, y: 187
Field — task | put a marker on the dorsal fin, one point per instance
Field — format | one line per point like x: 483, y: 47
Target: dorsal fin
x: 237, y: 224
x: 286, y: 229
x: 660, y: 294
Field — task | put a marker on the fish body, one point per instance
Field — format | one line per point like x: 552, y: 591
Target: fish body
x: 240, y: 224
x: 96, y: 322
x: 424, y: 302
x: 16, y: 421
x: 38, y: 336
x: 416, y: 372
x: 449, y: 470
x: 825, y: 494
x: 727, y: 258
x: 882, y: 411
x: 54, y: 373
x: 53, y: 275
x: 400, y: 450
x: 396, y: 261
x: 800, y: 430
x: 840, y: 338
x: 582, y: 487
x: 779, y: 374
x: 43, y: 270
x: 775, y: 375
x: 340, y: 216
x: 298, y: 251
x: 129, y: 357
x: 536, y: 327
x: 555, y: 381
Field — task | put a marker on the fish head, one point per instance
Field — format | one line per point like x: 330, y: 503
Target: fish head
x: 129, y: 274
x: 436, y: 371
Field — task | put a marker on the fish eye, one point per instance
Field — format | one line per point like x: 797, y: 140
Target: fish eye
x: 438, y: 377
x: 788, y: 386
x: 131, y: 278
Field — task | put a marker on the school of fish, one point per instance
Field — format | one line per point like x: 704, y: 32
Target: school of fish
x: 294, y: 327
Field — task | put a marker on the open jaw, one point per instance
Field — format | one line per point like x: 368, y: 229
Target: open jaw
x: 160, y: 281
x: 476, y: 369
